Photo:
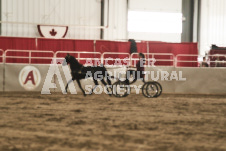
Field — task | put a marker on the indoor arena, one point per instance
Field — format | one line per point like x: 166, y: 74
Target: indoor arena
x: 112, y: 75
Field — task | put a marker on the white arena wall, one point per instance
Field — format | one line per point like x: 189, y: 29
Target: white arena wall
x: 12, y: 72
x: 84, y: 82
x: 198, y: 80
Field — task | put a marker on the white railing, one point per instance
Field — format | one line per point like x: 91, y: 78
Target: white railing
x: 178, y: 60
x: 105, y: 60
x: 114, y: 59
x: 1, y: 56
x: 96, y: 58
x: 29, y: 56
x: 151, y: 58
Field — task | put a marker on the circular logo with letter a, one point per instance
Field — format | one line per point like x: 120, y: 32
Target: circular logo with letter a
x: 29, y: 78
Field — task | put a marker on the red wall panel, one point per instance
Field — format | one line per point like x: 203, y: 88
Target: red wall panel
x: 142, y: 47
x: 100, y: 46
x: 175, y: 48
x: 55, y: 44
x: 186, y: 48
x: 65, y: 45
x: 17, y: 43
x: 113, y: 46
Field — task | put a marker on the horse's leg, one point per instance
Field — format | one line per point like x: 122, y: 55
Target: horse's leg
x: 68, y: 84
x: 108, y: 79
x: 128, y: 75
x: 106, y: 86
x: 109, y: 82
x: 96, y: 84
x: 107, y: 76
x: 79, y: 84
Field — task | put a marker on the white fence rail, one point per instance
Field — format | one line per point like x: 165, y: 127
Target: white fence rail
x: 111, y: 58
x: 186, y: 59
x: 89, y: 58
x: 116, y: 58
x: 28, y: 57
x: 164, y: 59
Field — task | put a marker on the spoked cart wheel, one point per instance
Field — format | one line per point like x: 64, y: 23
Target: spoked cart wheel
x: 121, y: 89
x: 150, y: 89
x: 159, y: 89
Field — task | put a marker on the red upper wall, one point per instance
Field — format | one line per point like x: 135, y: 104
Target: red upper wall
x: 89, y: 45
x: 97, y: 46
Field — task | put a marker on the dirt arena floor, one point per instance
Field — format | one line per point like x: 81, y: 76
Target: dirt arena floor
x: 31, y: 121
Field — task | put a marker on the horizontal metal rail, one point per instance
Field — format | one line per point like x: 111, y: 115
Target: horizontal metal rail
x: 151, y: 58
x: 29, y: 57
x: 71, y: 25
x: 127, y: 58
x: 116, y: 57
x: 79, y: 55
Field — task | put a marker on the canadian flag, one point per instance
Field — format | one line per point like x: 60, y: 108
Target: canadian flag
x: 52, y: 31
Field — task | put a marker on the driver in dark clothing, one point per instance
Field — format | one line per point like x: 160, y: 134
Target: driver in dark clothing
x: 139, y: 74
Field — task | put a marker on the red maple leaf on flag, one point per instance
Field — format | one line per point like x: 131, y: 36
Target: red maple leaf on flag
x: 53, y: 32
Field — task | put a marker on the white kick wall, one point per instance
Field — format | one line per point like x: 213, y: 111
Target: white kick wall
x: 180, y: 80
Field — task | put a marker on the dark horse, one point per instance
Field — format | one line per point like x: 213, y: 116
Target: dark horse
x: 78, y: 72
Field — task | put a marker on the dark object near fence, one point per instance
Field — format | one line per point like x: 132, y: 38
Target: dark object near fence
x: 133, y: 46
x: 219, y: 56
x: 215, y: 47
